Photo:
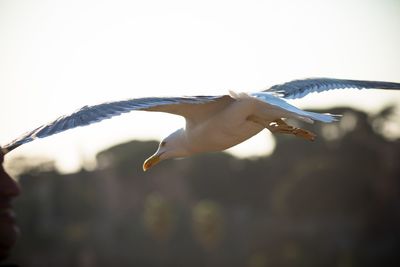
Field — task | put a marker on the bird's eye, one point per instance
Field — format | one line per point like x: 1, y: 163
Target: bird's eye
x: 163, y: 143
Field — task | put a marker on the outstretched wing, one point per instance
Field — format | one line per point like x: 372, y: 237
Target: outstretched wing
x: 300, y: 88
x: 193, y: 108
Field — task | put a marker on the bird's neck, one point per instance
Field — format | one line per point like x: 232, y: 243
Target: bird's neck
x: 182, y: 144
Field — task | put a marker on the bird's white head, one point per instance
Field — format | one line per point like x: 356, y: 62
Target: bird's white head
x: 173, y: 146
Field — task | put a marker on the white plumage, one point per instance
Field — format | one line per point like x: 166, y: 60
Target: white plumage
x: 213, y: 123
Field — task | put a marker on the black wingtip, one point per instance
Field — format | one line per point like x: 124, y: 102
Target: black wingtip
x: 8, y: 148
x: 3, y: 151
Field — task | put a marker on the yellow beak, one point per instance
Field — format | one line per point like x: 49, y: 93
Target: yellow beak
x: 150, y: 162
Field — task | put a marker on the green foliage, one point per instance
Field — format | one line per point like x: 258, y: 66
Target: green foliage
x: 158, y: 217
x: 207, y: 223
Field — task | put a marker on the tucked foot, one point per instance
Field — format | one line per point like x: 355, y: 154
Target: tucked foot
x: 279, y: 126
x: 310, y: 136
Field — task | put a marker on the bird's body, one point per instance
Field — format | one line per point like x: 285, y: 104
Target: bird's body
x: 238, y: 124
x: 213, y: 123
x: 220, y: 136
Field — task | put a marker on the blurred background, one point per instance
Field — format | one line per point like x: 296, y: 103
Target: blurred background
x: 332, y: 202
x: 271, y: 201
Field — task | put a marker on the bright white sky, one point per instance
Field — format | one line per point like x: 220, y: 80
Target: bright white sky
x: 56, y: 56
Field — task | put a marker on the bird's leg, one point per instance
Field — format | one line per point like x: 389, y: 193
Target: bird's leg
x: 279, y: 126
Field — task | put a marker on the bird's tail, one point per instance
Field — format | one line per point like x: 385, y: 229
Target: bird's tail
x: 324, y: 117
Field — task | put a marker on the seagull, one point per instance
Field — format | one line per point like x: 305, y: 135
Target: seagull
x: 213, y: 122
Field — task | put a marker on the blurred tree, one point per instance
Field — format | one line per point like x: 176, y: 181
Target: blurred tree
x: 158, y: 217
x: 208, y: 223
